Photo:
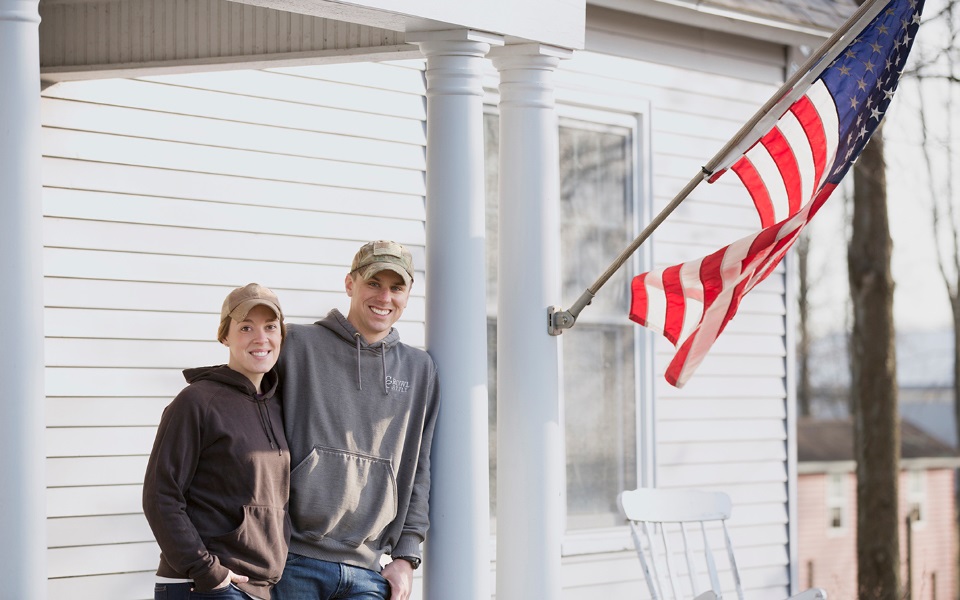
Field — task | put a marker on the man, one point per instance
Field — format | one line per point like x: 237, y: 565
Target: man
x: 359, y: 413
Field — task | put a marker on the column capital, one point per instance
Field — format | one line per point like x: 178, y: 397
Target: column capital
x: 454, y: 60
x: 526, y: 57
x: 526, y: 73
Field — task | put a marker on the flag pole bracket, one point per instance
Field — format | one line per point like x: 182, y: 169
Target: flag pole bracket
x: 558, y: 320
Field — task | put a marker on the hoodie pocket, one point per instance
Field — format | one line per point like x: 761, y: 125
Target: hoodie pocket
x: 344, y: 496
x: 258, y: 548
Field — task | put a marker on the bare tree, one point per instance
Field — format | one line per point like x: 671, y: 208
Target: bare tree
x: 804, y: 392
x: 874, y: 380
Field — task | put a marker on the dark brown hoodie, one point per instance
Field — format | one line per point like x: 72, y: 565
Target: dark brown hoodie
x: 217, y: 483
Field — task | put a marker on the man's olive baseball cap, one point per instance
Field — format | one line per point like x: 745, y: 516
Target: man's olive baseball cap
x: 374, y: 257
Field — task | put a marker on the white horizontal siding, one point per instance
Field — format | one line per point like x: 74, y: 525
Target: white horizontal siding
x: 110, y: 470
x: 119, y: 586
x: 162, y: 194
x: 311, y: 113
x: 108, y: 412
x: 180, y: 156
x: 114, y: 529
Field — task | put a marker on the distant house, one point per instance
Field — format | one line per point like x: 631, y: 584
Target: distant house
x: 827, y: 517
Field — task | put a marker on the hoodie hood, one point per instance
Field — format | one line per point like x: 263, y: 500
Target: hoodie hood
x: 338, y: 324
x: 224, y: 375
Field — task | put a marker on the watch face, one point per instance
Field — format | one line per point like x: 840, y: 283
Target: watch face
x: 413, y: 560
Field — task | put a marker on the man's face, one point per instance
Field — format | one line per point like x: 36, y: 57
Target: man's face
x: 376, y: 303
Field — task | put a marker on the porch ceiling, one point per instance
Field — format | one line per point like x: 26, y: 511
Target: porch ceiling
x: 86, y: 39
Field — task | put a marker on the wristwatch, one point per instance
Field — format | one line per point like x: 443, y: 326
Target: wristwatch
x: 413, y: 560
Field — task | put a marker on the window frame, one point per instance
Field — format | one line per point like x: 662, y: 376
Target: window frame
x: 616, y: 538
x: 837, y: 501
x: 916, y: 493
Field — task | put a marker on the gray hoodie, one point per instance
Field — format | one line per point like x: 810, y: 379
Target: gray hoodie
x: 359, y: 420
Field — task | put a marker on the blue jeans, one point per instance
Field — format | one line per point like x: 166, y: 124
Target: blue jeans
x: 307, y: 578
x: 183, y: 591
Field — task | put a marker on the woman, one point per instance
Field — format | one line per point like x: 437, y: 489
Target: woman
x: 217, y: 483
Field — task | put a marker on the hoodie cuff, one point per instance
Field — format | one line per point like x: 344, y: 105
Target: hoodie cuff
x: 407, y: 545
x: 211, y: 579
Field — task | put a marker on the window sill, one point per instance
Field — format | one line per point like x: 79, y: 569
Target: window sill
x: 596, y: 541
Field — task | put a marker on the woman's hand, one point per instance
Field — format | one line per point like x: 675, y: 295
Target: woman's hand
x: 232, y: 578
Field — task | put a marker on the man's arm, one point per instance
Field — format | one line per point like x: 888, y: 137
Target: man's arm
x: 406, y: 553
x: 417, y: 519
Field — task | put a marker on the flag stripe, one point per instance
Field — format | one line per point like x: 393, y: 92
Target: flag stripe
x: 693, y: 294
x: 808, y: 118
x: 786, y: 175
x: 802, y: 153
x: 676, y: 304
x: 772, y: 183
x: 822, y: 102
x: 751, y: 179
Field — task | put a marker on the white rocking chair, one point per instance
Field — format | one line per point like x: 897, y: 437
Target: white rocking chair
x: 657, y: 517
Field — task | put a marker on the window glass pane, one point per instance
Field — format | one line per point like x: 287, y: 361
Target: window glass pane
x: 596, y: 216
x: 915, y: 482
x: 835, y: 486
x: 598, y: 352
x: 600, y: 422
x: 836, y: 518
x: 599, y: 358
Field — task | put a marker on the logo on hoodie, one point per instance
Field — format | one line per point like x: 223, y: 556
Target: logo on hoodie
x: 397, y: 385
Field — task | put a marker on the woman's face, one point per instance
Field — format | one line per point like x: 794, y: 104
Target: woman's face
x: 254, y: 343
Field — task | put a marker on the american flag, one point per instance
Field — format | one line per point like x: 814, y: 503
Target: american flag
x: 789, y: 173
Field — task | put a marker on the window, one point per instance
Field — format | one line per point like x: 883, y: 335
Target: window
x: 600, y: 354
x: 836, y: 501
x: 916, y: 496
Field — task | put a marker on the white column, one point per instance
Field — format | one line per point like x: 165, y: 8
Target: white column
x: 23, y: 493
x: 457, y: 558
x: 530, y: 449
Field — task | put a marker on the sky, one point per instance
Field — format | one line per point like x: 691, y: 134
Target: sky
x: 920, y: 298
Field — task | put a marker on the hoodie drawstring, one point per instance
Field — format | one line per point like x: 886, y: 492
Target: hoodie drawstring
x: 267, y: 425
x: 383, y: 365
x: 356, y: 336
x: 383, y: 368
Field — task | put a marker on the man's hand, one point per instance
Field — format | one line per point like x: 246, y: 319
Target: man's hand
x: 399, y: 574
x: 232, y: 578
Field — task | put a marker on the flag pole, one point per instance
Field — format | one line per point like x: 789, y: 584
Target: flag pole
x: 747, y: 136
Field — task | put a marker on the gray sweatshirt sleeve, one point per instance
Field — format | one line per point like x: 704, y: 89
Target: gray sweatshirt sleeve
x: 417, y: 519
